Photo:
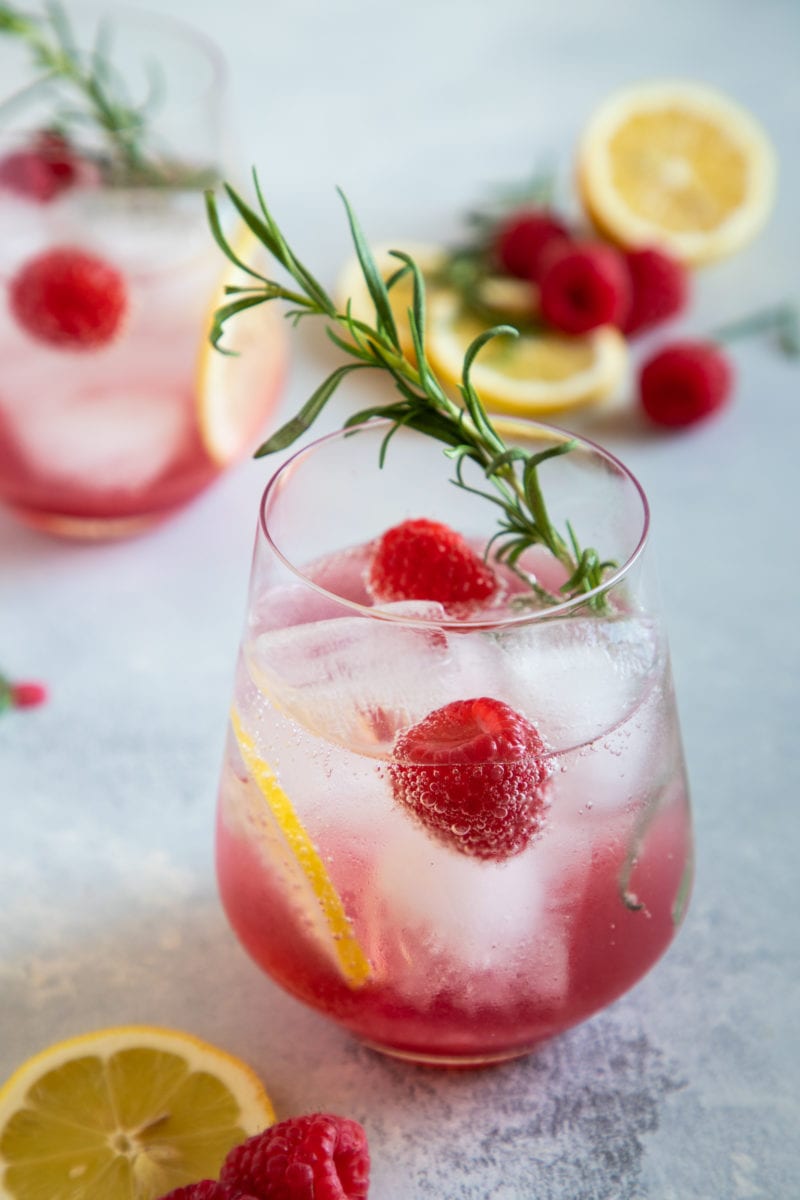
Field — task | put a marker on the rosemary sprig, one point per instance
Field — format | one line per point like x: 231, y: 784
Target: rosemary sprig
x: 89, y: 91
x: 423, y: 404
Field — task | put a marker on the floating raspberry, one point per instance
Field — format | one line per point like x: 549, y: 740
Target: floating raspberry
x: 207, y: 1189
x: 684, y: 383
x: 69, y: 298
x: 316, y: 1157
x: 474, y: 773
x: 42, y: 172
x: 426, y: 560
x: 583, y: 287
x: 659, y: 289
x: 522, y: 242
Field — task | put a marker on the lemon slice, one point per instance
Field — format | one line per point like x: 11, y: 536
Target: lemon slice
x: 535, y: 373
x: 333, y: 923
x: 124, y: 1114
x: 679, y: 165
x: 235, y: 393
x: 351, y: 285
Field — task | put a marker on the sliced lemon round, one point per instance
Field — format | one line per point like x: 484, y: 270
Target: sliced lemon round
x: 352, y: 287
x: 127, y: 1113
x: 236, y: 392
x: 678, y: 165
x: 528, y: 375
x: 322, y: 901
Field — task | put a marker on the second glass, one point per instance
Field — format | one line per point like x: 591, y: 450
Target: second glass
x: 114, y: 410
x: 450, y: 898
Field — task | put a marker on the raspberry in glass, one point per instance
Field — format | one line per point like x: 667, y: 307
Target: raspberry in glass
x: 69, y: 298
x: 427, y: 560
x: 474, y: 773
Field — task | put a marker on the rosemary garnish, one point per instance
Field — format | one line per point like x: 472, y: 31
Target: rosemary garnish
x: 88, y: 92
x: 424, y: 405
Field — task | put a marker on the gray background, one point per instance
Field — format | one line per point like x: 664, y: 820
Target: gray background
x: 686, y: 1089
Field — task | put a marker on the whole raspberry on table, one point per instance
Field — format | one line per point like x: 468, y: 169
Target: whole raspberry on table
x: 69, y: 298
x: 207, y: 1189
x: 684, y: 383
x: 583, y: 287
x: 523, y: 240
x: 659, y: 288
x: 315, y: 1157
x: 427, y: 560
x: 42, y: 172
x: 474, y: 773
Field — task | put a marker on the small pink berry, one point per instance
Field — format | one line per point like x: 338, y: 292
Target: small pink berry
x: 28, y: 695
x: 684, y: 383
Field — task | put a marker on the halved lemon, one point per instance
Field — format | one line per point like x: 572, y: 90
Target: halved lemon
x: 323, y: 902
x: 678, y: 165
x: 236, y: 393
x: 351, y: 285
x: 534, y: 373
x: 126, y: 1113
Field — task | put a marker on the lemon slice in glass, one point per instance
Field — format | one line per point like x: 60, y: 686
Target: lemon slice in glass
x: 124, y: 1114
x: 236, y: 392
x: 678, y: 165
x: 529, y: 375
x: 323, y: 902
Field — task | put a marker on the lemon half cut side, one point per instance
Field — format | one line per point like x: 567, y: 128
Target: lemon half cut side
x: 126, y: 1113
x: 679, y: 165
x: 533, y: 374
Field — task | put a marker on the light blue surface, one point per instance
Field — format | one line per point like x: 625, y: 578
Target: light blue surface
x: 688, y: 1088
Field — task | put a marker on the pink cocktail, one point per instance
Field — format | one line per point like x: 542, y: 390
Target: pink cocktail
x: 113, y: 410
x: 448, y: 898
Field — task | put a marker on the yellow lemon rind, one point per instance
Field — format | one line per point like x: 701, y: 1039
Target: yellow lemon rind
x: 351, y: 959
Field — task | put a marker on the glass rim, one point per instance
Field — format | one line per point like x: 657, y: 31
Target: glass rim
x: 484, y: 621
x: 146, y: 18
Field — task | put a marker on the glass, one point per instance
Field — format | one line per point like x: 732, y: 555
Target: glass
x: 360, y: 904
x: 104, y: 437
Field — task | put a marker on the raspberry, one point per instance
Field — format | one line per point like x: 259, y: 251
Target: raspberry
x: 28, y: 695
x: 316, y: 1157
x: 42, y: 172
x: 583, y: 287
x: 208, y: 1189
x: 684, y: 383
x: 474, y: 773
x: 69, y: 298
x: 659, y: 289
x: 524, y: 239
x: 426, y: 560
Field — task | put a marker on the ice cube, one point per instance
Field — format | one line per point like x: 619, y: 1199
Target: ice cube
x: 475, y: 919
x: 108, y: 435
x: 358, y: 680
x: 576, y: 678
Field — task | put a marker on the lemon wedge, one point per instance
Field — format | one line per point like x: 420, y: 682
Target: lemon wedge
x: 235, y: 393
x: 678, y: 165
x: 529, y: 375
x: 332, y: 923
x: 127, y: 1113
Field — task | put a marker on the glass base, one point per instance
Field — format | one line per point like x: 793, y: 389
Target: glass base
x: 88, y: 529
x: 423, y: 1058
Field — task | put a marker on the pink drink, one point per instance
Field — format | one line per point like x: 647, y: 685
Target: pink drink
x: 109, y: 440
x: 457, y: 959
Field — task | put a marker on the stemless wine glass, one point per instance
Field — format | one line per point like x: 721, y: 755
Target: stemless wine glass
x: 113, y: 410
x: 451, y: 900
